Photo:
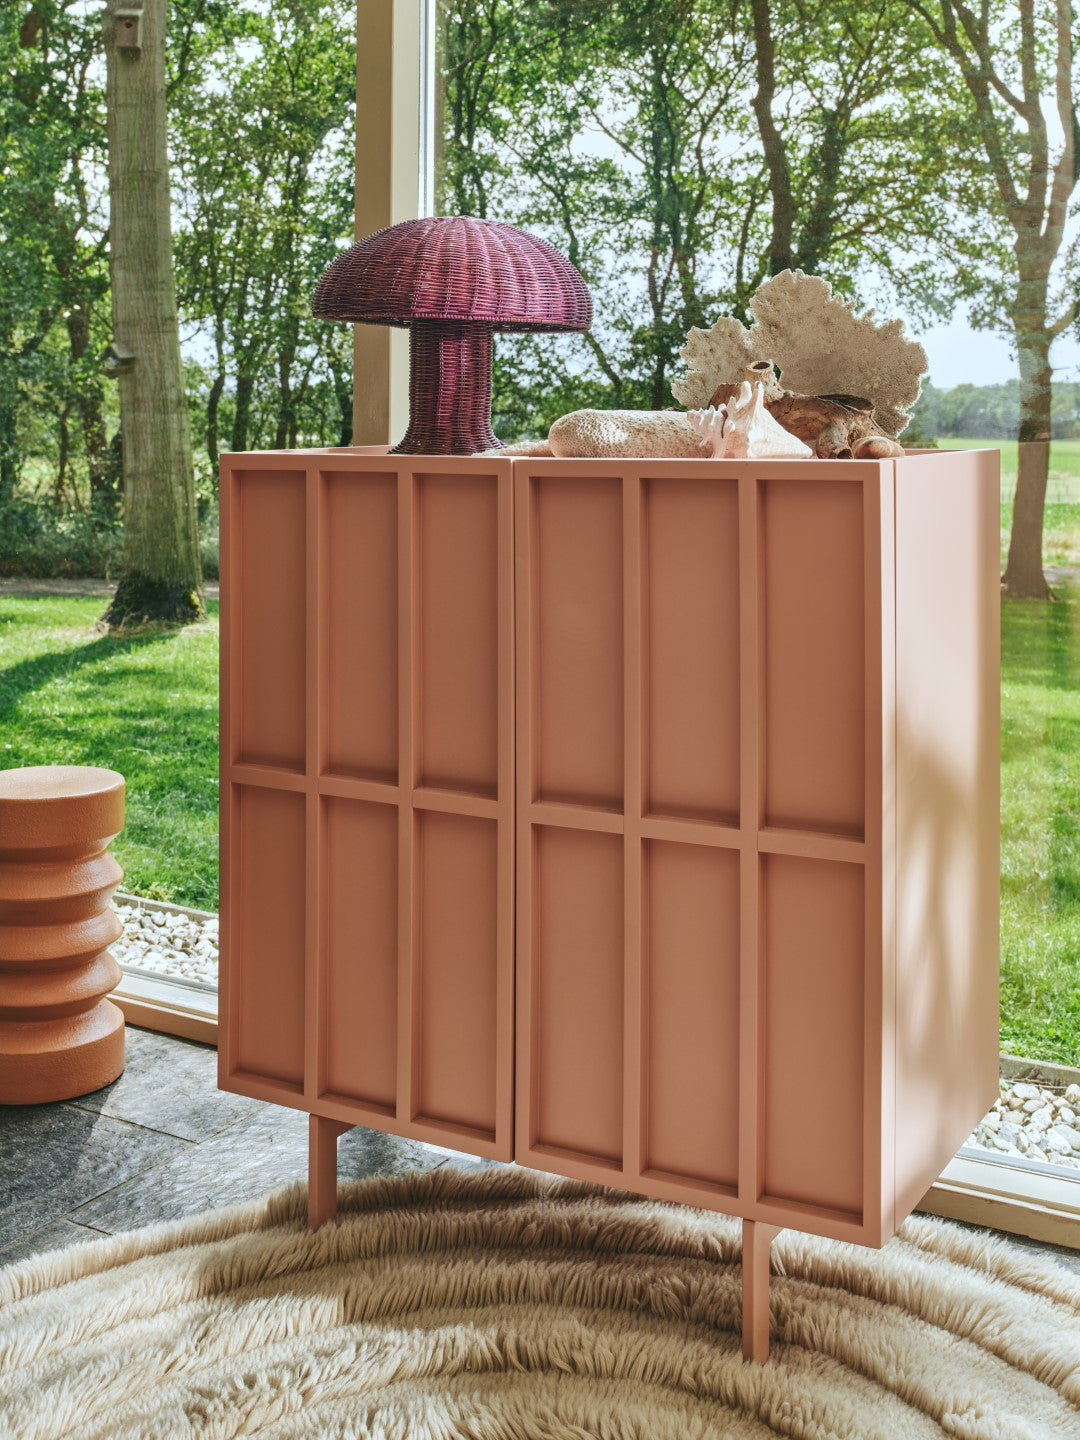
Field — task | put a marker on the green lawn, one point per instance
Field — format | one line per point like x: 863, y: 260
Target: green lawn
x: 145, y: 705
x: 1040, y: 828
x: 1061, y: 538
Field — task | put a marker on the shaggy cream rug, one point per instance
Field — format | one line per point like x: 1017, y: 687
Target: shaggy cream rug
x: 503, y: 1305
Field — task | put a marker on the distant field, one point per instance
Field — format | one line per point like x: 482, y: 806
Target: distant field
x: 1061, y: 535
x: 1064, y: 483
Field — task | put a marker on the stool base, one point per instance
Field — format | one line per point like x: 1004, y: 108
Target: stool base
x: 47, y: 1060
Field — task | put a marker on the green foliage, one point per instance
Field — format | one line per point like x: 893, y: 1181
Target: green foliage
x: 35, y: 540
x: 263, y: 215
x: 626, y: 134
x: 991, y: 410
x: 53, y: 274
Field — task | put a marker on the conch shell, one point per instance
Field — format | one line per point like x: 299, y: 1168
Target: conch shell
x: 743, y: 429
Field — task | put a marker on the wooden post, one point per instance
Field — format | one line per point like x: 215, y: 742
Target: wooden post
x: 323, y: 1136
x: 757, y: 1242
x: 390, y: 74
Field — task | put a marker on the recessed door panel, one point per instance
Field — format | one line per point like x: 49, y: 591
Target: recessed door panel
x: 360, y: 940
x: 457, y: 972
x: 577, y: 640
x: 268, y: 603
x: 814, y: 665
x: 691, y: 989
x: 359, y: 574
x: 267, y: 933
x: 578, y: 960
x: 458, y: 653
x: 813, y: 1032
x: 691, y: 590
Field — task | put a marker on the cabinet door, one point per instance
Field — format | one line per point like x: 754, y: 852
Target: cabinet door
x: 699, y: 926
x: 368, y: 793
x: 628, y: 838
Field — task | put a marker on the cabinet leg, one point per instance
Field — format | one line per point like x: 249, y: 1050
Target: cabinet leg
x: 323, y: 1136
x: 756, y: 1243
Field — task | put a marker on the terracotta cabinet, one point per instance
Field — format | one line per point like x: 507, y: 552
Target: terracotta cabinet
x: 633, y: 820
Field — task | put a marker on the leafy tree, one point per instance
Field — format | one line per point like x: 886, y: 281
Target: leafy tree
x: 682, y: 150
x: 1016, y: 61
x: 53, y: 274
x: 263, y: 215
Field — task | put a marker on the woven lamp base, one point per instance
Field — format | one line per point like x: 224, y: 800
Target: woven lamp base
x: 449, y: 390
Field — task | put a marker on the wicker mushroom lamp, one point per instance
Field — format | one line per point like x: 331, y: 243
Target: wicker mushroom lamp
x: 453, y: 282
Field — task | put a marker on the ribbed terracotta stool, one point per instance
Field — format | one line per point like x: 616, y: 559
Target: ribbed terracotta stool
x: 59, y: 1036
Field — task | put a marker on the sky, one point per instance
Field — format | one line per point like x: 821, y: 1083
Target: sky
x: 960, y: 355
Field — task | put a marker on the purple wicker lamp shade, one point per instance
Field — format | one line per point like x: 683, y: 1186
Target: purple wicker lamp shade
x: 453, y: 282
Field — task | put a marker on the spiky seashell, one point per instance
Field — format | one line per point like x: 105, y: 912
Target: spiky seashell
x: 743, y: 429
x: 821, y: 345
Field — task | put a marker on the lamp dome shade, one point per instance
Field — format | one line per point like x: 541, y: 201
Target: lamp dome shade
x: 454, y: 269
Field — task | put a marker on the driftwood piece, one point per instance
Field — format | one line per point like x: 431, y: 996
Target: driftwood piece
x: 835, y: 427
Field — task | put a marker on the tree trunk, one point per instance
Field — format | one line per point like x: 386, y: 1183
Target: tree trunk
x: 213, y: 402
x: 783, y: 205
x: 90, y: 402
x: 161, y: 577
x: 245, y: 386
x: 1024, y: 578
x: 9, y: 452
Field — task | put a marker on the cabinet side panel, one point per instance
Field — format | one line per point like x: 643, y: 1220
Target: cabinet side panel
x: 579, y: 991
x: 692, y: 990
x: 268, y: 930
x: 948, y: 848
x: 269, y: 613
x: 360, y: 949
x: 458, y: 914
x: 359, y: 557
x: 814, y: 660
x: 813, y: 1033
x: 578, y: 639
x: 691, y: 588
x: 458, y: 642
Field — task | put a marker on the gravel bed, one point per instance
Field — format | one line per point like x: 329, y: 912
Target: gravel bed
x: 1030, y: 1121
x: 167, y: 940
x: 1035, y: 1122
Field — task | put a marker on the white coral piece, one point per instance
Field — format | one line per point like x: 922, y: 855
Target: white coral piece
x: 713, y: 357
x: 625, y: 435
x: 821, y: 345
x: 742, y: 429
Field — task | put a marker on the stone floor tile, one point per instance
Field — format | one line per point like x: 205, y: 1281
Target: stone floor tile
x: 56, y: 1157
x: 57, y: 1235
x: 170, y: 1085
x: 246, y: 1162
